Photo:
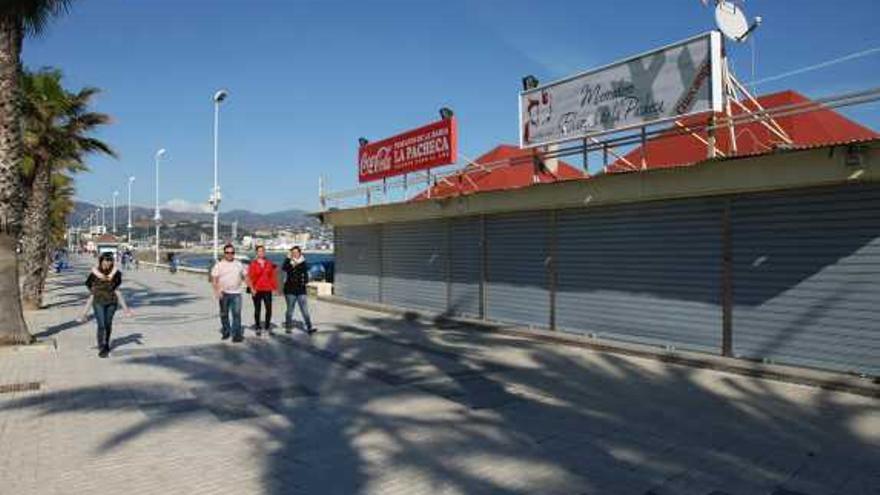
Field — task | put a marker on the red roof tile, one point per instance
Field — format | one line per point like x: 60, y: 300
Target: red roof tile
x: 808, y: 129
x: 504, y: 167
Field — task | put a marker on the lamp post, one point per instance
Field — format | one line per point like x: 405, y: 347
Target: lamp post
x: 130, y: 180
x: 115, y: 195
x: 157, y: 217
x: 214, y: 200
x: 98, y: 217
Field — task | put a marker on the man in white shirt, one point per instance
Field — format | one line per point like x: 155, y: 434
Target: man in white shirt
x: 227, y: 276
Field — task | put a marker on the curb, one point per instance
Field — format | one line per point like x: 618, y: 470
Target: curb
x: 39, y: 345
x: 827, y: 380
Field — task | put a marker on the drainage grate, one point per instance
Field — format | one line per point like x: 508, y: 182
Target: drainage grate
x: 19, y: 387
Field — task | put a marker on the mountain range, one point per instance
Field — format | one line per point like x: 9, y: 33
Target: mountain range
x: 246, y: 219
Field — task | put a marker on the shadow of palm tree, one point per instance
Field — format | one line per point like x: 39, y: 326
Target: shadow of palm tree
x: 56, y: 329
x: 132, y: 338
x: 386, y: 402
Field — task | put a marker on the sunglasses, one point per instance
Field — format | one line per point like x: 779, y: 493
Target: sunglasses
x: 228, y: 252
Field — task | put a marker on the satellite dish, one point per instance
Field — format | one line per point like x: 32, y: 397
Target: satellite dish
x: 731, y: 20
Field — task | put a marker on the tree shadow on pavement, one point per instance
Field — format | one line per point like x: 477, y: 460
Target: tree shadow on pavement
x: 56, y: 329
x: 388, y: 403
x: 132, y: 338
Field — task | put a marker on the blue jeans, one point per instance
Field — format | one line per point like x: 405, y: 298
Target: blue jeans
x: 294, y: 300
x: 104, y: 317
x: 231, y: 302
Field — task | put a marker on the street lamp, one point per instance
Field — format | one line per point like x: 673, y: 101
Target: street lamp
x: 214, y: 199
x: 97, y: 216
x: 130, y: 180
x: 530, y: 82
x: 115, y: 194
x: 158, y: 217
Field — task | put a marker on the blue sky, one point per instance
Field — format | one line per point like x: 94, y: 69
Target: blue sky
x: 307, y: 78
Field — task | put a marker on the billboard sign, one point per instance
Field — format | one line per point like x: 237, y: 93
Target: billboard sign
x: 661, y: 85
x: 428, y: 146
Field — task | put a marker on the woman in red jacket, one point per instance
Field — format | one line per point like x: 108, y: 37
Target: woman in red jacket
x: 262, y: 282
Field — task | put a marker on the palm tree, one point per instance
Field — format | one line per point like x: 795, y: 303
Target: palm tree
x: 60, y: 208
x: 56, y: 136
x: 17, y: 17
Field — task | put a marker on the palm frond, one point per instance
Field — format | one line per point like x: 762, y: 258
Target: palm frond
x: 34, y: 15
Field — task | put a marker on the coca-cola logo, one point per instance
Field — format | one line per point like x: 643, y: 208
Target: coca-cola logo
x: 375, y: 161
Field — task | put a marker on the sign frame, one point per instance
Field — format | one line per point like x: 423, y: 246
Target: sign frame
x: 715, y: 81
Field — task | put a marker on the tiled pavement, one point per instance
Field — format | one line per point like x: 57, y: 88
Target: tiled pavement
x: 381, y: 404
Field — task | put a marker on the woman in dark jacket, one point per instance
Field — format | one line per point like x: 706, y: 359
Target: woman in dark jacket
x: 103, y: 282
x: 297, y: 271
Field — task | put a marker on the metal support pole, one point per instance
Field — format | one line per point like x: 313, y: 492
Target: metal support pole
x: 605, y: 156
x: 711, y: 137
x: 130, y: 181
x: 728, y: 94
x: 586, y: 158
x: 115, y: 195
x: 726, y: 283
x: 643, y: 148
x: 551, y: 268
x: 157, y: 217
x: 484, y: 268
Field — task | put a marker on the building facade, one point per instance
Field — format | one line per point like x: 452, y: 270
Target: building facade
x: 773, y: 257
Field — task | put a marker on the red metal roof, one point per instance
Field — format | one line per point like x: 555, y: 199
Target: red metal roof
x: 809, y: 129
x: 504, y: 167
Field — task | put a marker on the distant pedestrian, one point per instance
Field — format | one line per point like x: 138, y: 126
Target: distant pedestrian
x: 59, y: 261
x: 263, y: 282
x: 297, y: 271
x: 103, y: 282
x: 227, y: 276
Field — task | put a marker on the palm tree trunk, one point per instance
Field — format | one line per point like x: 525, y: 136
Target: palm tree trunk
x: 13, y: 329
x: 35, y: 238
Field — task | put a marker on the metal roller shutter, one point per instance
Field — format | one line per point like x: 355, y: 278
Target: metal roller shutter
x: 467, y: 261
x: 357, y: 263
x: 648, y: 273
x: 806, y: 284
x: 517, y: 252
x: 414, y: 265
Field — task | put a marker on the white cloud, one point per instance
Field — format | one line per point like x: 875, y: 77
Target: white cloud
x: 184, y: 206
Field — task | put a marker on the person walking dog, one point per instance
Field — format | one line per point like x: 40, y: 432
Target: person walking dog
x: 227, y: 276
x: 297, y: 270
x: 263, y: 282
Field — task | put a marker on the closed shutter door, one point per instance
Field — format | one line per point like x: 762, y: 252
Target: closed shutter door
x: 466, y: 258
x: 357, y: 263
x: 648, y: 273
x: 807, y: 278
x: 414, y: 265
x: 517, y: 289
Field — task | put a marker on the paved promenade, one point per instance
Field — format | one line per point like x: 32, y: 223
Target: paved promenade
x: 385, y: 405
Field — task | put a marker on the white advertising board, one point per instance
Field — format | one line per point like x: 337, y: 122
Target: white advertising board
x: 660, y: 85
